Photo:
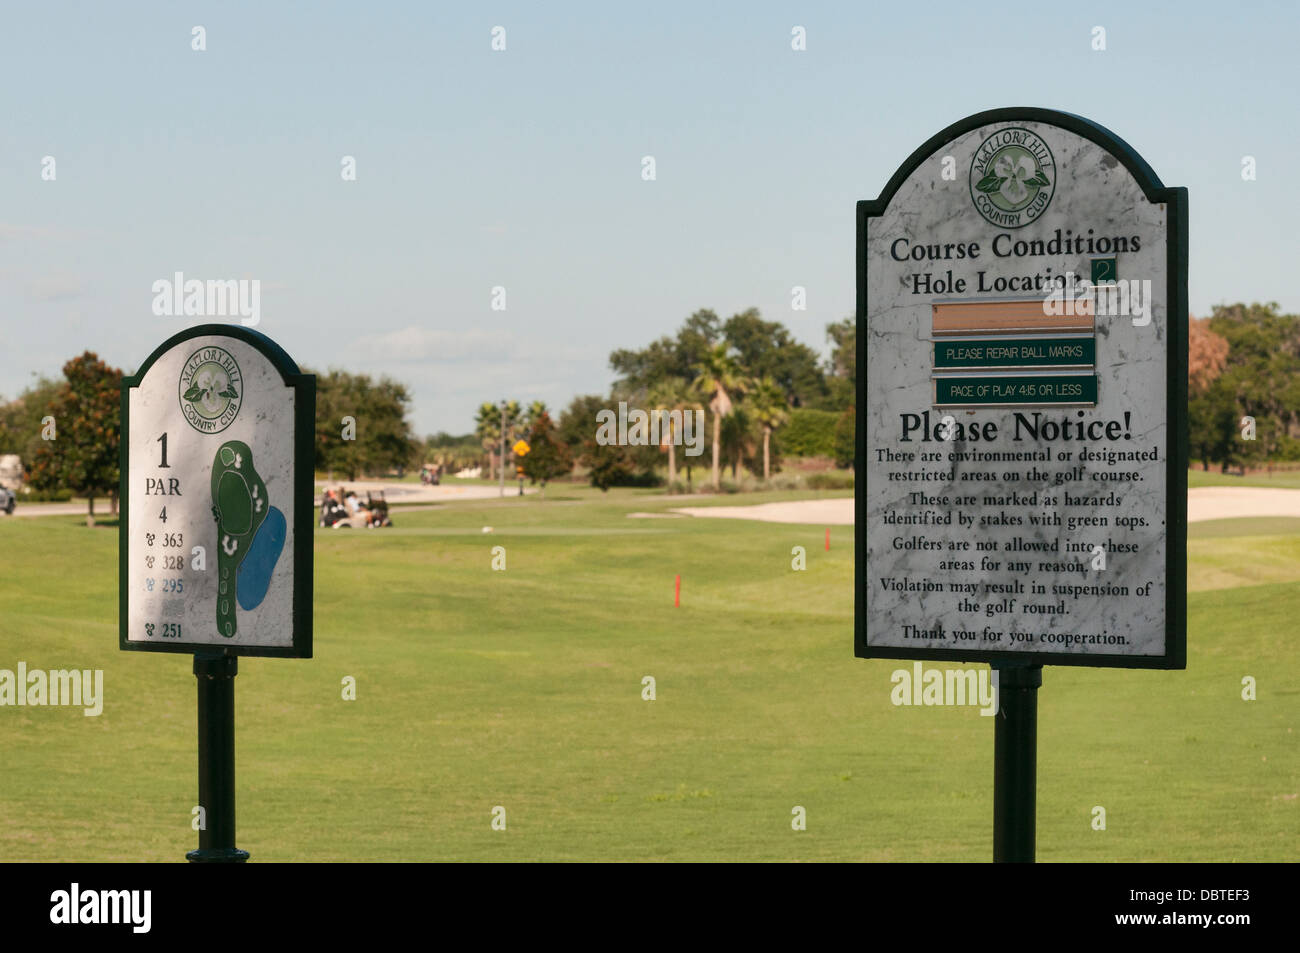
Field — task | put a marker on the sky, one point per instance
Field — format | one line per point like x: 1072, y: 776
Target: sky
x: 522, y: 168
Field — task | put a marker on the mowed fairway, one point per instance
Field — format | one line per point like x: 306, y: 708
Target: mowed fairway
x: 523, y: 689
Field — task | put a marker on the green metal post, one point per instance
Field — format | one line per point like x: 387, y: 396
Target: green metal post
x: 216, y: 677
x: 1015, y: 762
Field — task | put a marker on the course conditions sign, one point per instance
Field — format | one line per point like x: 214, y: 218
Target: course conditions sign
x: 217, y: 497
x: 1022, y: 388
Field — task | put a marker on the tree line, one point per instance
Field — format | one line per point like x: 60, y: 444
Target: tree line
x: 67, y: 431
x: 750, y: 378
x: 760, y: 391
x: 763, y: 395
x: 1243, y: 381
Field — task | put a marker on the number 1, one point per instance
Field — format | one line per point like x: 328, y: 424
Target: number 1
x: 163, y: 440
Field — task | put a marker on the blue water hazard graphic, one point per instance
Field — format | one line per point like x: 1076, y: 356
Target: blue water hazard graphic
x: 253, y: 577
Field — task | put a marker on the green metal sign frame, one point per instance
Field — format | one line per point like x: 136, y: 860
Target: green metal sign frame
x: 990, y: 353
x: 1175, y: 200
x: 304, y: 511
x: 1061, y: 389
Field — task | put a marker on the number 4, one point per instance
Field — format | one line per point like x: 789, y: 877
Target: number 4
x: 163, y: 516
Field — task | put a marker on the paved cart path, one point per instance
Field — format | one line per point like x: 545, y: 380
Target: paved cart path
x: 448, y: 492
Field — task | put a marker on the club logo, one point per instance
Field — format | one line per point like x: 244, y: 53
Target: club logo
x: 211, y: 389
x: 1012, y: 177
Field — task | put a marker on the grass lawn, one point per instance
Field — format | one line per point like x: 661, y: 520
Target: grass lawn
x: 523, y: 689
x: 1283, y: 479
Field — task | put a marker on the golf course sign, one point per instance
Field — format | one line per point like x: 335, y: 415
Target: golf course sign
x: 1022, y: 396
x: 217, y: 497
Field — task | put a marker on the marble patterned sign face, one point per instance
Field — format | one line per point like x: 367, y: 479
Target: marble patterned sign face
x: 1021, y: 393
x: 213, y: 492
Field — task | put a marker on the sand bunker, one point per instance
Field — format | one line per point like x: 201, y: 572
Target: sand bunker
x: 835, y: 512
x: 1231, y: 502
x: 1203, y: 503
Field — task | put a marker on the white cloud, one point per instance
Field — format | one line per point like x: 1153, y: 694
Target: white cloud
x: 451, y: 372
x: 13, y: 232
x: 423, y: 344
x: 57, y: 287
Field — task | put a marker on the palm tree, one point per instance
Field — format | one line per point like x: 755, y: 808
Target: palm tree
x: 717, y: 377
x: 672, y: 394
x: 536, y: 410
x: 770, y: 409
x: 488, y: 429
x: 738, y: 436
x: 487, y: 425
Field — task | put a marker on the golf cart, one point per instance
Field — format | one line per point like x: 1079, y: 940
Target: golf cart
x: 339, y: 512
x: 11, y: 478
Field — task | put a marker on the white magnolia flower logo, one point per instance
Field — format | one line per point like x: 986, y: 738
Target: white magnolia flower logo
x: 1015, y: 178
x: 210, y: 388
x: 1014, y: 174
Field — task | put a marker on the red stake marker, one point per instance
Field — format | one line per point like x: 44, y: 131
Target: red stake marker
x: 677, y: 593
x: 828, y: 539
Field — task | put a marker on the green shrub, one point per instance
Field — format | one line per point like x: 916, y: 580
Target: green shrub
x: 810, y: 433
x: 845, y: 439
x: 830, y: 480
x: 787, y: 481
x: 61, y: 495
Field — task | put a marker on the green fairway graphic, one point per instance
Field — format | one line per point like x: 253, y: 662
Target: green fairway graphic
x: 239, y: 505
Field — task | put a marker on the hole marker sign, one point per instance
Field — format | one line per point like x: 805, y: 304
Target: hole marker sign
x: 216, y: 524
